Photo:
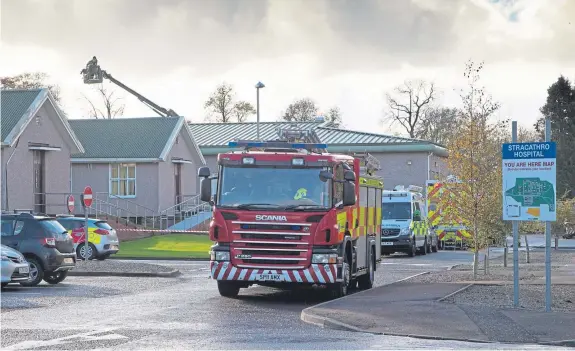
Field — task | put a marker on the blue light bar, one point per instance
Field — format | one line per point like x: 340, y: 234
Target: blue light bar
x: 275, y: 144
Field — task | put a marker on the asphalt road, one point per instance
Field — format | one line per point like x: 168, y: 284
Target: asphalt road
x: 187, y: 313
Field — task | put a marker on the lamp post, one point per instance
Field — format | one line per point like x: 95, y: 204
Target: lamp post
x: 258, y: 87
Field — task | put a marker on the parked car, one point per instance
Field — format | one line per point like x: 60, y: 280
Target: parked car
x: 102, y: 238
x: 45, y: 244
x: 15, y: 268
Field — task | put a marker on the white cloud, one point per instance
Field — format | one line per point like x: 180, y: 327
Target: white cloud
x: 176, y: 52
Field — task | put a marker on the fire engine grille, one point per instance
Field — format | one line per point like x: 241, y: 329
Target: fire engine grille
x: 288, y: 227
x: 271, y: 245
x: 270, y: 252
x: 256, y: 235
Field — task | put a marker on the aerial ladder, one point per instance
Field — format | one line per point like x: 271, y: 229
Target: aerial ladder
x: 93, y: 74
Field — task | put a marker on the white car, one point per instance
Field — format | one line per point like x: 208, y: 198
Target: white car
x: 15, y: 268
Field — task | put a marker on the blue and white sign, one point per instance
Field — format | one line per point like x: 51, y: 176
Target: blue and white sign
x: 529, y: 181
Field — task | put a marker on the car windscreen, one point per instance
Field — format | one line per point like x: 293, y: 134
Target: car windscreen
x: 103, y: 225
x: 276, y: 187
x: 52, y: 226
x: 396, y: 210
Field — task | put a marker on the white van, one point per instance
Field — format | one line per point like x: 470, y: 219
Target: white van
x: 404, y: 222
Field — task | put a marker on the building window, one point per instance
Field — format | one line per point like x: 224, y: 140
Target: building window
x: 123, y: 180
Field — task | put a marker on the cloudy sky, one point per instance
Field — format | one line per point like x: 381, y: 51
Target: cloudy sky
x: 347, y: 53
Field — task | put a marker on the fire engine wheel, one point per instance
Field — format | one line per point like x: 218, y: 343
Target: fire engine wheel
x: 228, y: 289
x: 340, y: 289
x: 366, y: 281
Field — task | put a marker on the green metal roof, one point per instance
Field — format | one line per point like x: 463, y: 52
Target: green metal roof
x: 334, y: 136
x: 213, y: 138
x: 219, y: 134
x: 14, y: 105
x: 124, y: 138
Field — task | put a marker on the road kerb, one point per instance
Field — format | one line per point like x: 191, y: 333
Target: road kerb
x: 454, y: 293
x: 326, y: 322
x: 170, y: 274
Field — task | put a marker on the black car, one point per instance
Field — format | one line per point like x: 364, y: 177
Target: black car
x: 47, y: 246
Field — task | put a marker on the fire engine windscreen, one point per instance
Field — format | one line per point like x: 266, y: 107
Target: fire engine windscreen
x: 276, y: 187
x: 396, y: 210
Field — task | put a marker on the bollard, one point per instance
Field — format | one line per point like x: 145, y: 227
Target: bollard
x: 505, y: 250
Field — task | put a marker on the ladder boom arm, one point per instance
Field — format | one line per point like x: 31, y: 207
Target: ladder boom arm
x: 158, y: 109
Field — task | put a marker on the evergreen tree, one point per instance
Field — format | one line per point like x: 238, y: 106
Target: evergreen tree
x: 560, y: 109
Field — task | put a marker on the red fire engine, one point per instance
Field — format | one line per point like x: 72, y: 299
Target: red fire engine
x: 288, y: 213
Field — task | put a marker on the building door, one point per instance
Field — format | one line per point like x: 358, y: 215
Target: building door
x: 39, y: 181
x: 178, y: 182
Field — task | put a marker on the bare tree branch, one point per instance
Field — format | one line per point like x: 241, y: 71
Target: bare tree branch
x: 113, y: 107
x: 409, y: 103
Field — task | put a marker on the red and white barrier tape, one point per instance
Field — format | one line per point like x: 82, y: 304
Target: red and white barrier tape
x: 162, y: 231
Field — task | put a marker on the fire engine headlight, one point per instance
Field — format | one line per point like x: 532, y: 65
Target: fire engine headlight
x: 220, y: 255
x: 404, y: 232
x: 324, y: 258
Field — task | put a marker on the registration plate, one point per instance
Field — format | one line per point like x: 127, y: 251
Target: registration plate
x: 387, y: 243
x: 24, y: 270
x: 270, y: 277
x: 114, y: 247
x: 69, y: 260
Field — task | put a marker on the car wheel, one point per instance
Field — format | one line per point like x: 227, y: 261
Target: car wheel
x: 228, y: 289
x: 55, y: 277
x: 413, y: 250
x: 36, y: 273
x: 80, y: 251
x: 423, y: 249
x: 366, y: 281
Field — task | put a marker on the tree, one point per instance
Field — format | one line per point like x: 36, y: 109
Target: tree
x: 475, y: 161
x: 112, y: 105
x: 31, y: 80
x: 409, y: 103
x: 560, y: 110
x: 222, y: 105
x: 526, y: 135
x: 302, y: 110
x: 439, y: 126
x: 334, y: 118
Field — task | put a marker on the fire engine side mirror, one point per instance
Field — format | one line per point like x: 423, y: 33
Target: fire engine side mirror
x: 349, y: 176
x: 206, y: 189
x: 204, y: 172
x: 324, y: 176
x: 348, y: 194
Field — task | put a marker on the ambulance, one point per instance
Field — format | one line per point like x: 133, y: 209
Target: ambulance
x: 404, y: 225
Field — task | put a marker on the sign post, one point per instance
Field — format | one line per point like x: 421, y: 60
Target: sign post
x: 70, y: 203
x: 86, y: 202
x: 529, y: 194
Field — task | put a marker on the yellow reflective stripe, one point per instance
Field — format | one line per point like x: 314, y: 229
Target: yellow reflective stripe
x: 341, y: 220
x: 362, y: 217
x: 370, y: 217
x: 375, y: 183
x: 354, y: 231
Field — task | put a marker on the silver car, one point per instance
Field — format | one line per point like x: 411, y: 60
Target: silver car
x: 15, y: 268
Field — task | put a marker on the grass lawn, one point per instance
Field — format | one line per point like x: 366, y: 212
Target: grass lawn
x: 167, y: 246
